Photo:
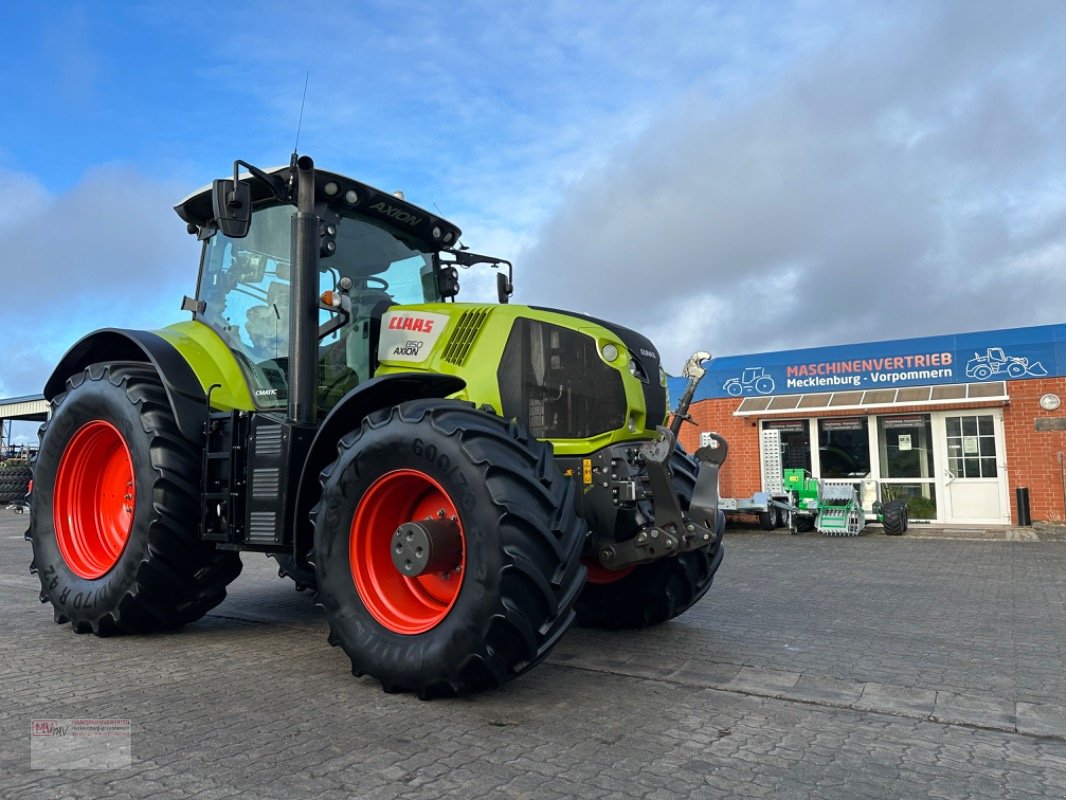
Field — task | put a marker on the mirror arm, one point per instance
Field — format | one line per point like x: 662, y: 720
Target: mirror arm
x: 465, y: 258
x: 280, y: 189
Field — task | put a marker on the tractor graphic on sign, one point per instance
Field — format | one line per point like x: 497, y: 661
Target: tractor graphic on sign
x: 753, y: 379
x: 997, y: 362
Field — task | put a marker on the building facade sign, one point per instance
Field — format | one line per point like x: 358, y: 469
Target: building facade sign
x: 1010, y: 354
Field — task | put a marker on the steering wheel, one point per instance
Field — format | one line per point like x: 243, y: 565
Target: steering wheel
x: 377, y: 281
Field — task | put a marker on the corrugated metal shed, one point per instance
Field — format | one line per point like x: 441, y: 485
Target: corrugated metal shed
x: 32, y: 408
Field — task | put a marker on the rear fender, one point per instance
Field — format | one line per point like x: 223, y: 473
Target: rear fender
x: 186, y: 395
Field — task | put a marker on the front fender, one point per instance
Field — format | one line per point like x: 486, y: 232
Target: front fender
x: 347, y: 416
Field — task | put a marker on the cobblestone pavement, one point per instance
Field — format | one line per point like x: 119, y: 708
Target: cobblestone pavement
x: 876, y: 667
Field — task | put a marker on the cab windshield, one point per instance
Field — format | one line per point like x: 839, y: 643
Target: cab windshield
x: 244, y: 287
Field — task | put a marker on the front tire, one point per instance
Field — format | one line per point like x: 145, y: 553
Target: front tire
x: 503, y: 597
x: 115, y: 509
x: 783, y: 518
x: 652, y: 593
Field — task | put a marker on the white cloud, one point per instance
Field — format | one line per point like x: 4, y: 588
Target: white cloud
x: 17, y: 193
x: 107, y: 253
x: 488, y: 112
x: 888, y: 186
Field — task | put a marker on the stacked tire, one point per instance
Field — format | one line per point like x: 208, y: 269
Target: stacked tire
x: 14, y: 481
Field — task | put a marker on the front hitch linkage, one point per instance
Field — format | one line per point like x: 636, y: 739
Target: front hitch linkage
x: 671, y: 532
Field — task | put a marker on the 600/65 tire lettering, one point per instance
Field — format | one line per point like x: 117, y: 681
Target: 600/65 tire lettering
x: 443, y: 463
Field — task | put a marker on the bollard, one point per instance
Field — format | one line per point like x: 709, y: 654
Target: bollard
x: 1021, y: 494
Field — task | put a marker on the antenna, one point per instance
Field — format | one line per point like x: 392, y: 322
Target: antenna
x: 299, y: 125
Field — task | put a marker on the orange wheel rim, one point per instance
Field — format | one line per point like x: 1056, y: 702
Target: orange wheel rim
x: 599, y: 574
x: 94, y: 500
x: 402, y: 604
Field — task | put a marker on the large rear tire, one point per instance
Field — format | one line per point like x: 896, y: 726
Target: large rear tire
x: 650, y: 594
x: 504, y: 594
x: 115, y: 509
x: 288, y: 568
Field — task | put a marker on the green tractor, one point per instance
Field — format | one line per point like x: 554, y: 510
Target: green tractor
x: 457, y: 482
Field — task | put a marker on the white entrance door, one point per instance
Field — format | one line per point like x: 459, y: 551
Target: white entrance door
x: 973, y: 469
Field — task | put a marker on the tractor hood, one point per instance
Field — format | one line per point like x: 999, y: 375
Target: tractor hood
x: 582, y: 382
x: 643, y: 352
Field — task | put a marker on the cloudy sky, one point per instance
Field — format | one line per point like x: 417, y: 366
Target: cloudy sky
x: 736, y: 176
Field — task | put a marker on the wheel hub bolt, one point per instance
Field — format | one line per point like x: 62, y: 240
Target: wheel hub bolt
x: 427, y: 546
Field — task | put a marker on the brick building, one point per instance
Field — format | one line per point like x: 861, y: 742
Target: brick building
x: 954, y: 423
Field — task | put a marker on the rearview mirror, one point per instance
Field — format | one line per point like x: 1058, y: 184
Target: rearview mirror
x: 504, y: 288
x: 232, y: 203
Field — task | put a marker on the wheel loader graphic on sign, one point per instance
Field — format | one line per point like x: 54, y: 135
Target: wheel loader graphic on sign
x: 754, y: 379
x: 996, y: 362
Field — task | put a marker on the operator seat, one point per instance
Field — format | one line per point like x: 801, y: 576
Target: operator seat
x: 345, y: 364
x: 362, y: 343
x: 268, y: 329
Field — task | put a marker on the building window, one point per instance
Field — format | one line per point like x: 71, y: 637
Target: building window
x: 906, y: 445
x: 905, y: 455
x: 972, y: 446
x: 795, y: 442
x: 843, y: 447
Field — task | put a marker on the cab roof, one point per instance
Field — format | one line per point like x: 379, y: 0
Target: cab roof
x: 337, y: 191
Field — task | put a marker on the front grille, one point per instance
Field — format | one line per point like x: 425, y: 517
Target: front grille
x: 466, y: 331
x: 553, y: 379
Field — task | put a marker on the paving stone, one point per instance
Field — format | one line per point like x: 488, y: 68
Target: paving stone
x: 769, y: 682
x: 705, y: 674
x: 823, y: 689
x: 896, y: 700
x: 1040, y: 719
x: 984, y: 712
x: 746, y: 695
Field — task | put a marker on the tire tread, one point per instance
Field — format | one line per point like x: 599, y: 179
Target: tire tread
x: 179, y: 579
x: 540, y: 537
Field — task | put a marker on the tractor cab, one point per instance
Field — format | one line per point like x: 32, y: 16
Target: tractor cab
x: 244, y: 295
x: 375, y: 251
